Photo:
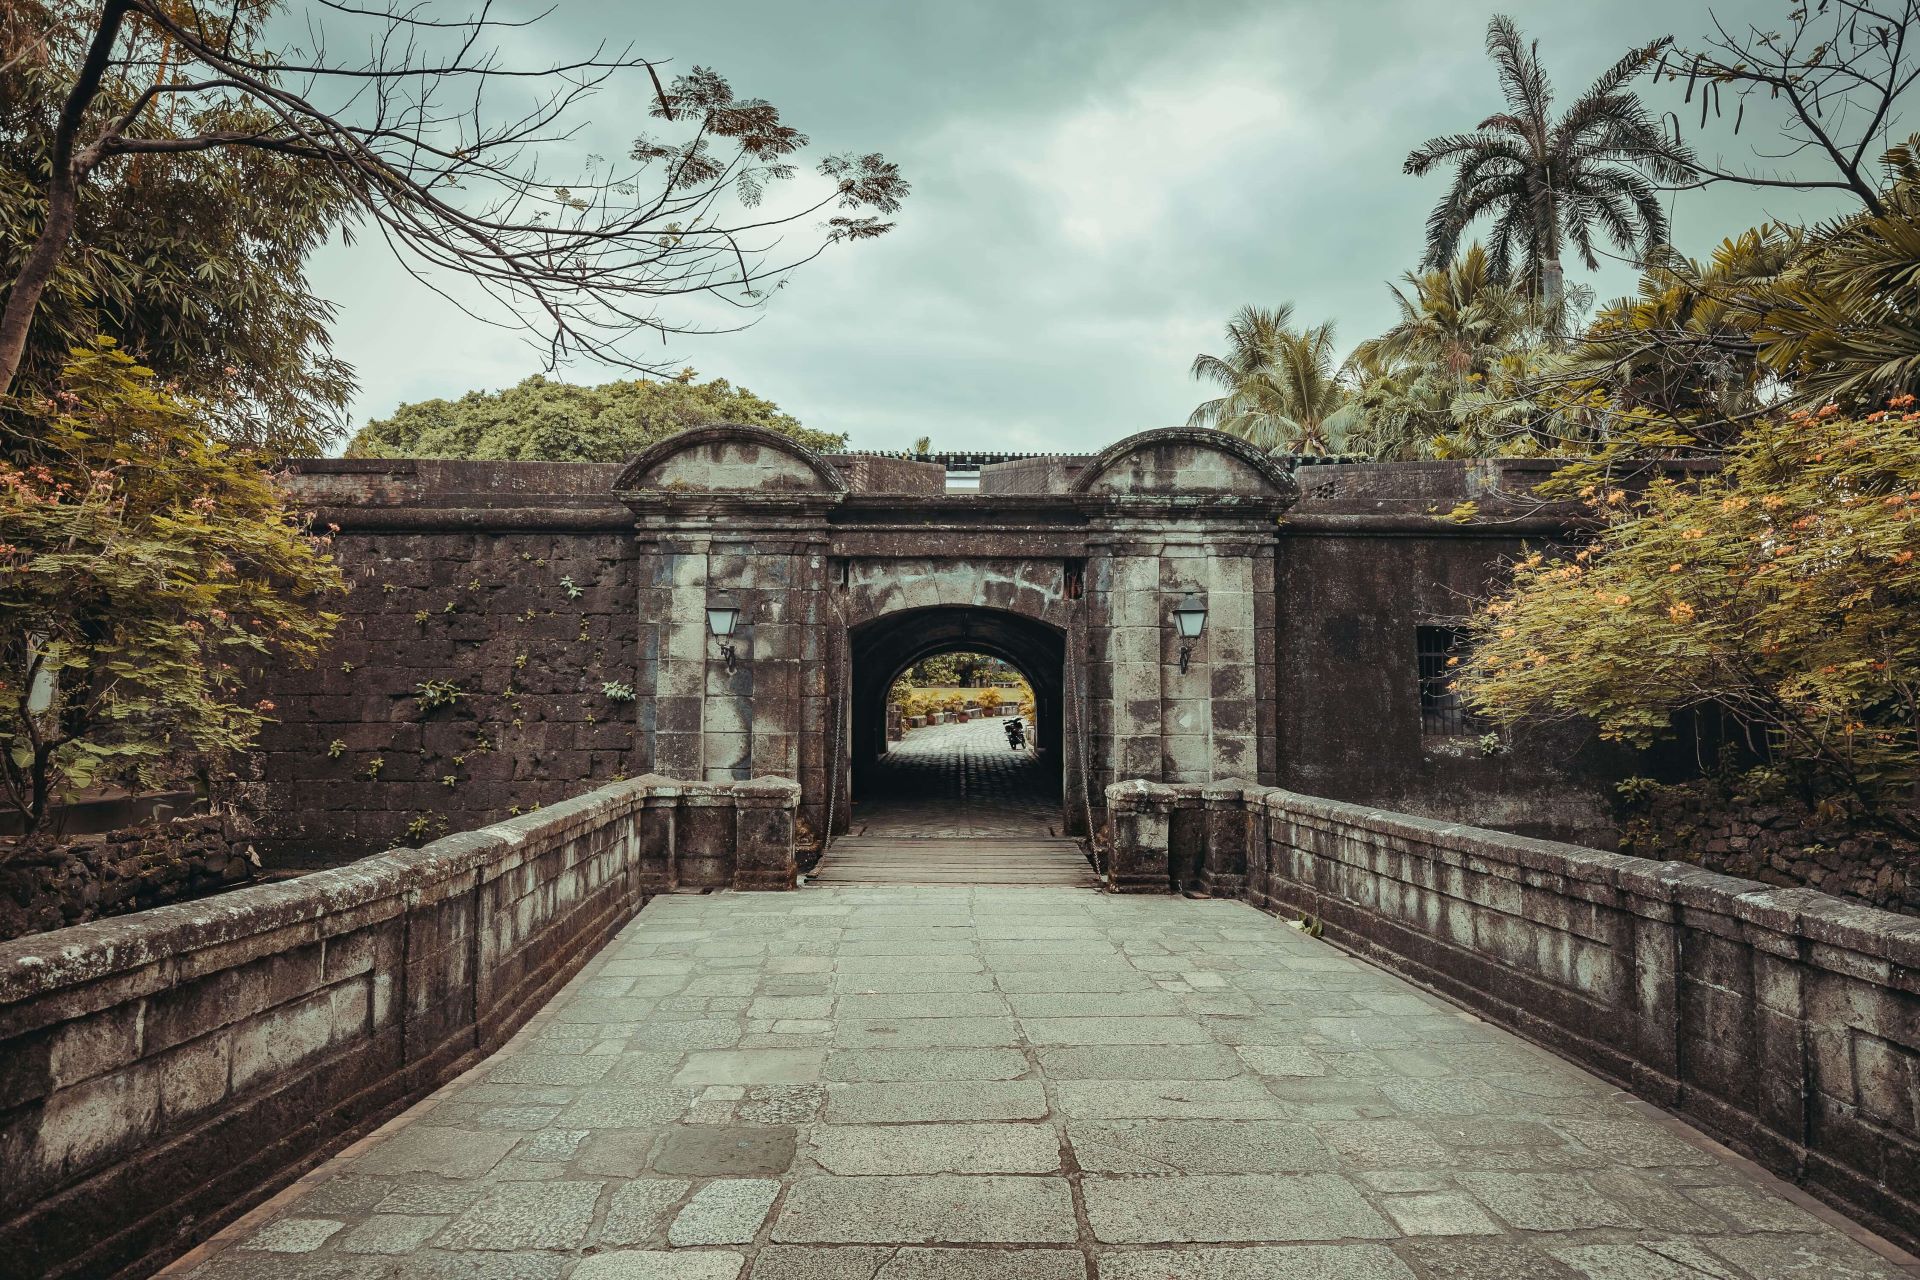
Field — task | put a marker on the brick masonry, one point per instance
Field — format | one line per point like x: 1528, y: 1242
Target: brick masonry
x: 160, y: 1070
x: 1781, y: 1020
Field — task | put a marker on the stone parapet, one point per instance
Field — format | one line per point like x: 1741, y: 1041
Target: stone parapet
x: 161, y: 1070
x: 1783, y: 1021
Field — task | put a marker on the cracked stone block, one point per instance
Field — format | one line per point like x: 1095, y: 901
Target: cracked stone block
x: 640, y: 1209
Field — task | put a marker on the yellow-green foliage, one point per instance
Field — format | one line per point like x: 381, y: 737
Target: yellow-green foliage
x: 1785, y: 589
x: 988, y: 698
x: 143, y: 568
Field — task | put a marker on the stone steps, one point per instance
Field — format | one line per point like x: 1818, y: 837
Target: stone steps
x: 996, y: 860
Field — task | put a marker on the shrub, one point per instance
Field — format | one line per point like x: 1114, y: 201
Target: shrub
x: 144, y: 569
x: 1784, y: 591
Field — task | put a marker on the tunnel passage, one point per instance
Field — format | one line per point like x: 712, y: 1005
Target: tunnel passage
x: 884, y: 647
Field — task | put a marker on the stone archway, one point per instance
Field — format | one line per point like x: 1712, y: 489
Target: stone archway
x: 881, y: 648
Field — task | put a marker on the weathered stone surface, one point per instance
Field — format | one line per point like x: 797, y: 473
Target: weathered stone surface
x: 644, y: 1264
x: 936, y: 1148
x: 726, y: 1150
x: 1344, y: 1177
x: 1230, y: 1207
x: 1299, y: 1262
x: 984, y: 1264
x: 961, y: 1210
x: 905, y: 1102
x: 1195, y: 1146
x: 726, y: 1211
x: 525, y: 1215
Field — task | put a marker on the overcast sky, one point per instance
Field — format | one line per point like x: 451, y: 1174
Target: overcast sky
x: 1098, y: 185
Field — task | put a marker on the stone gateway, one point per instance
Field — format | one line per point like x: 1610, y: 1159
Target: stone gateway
x: 568, y: 615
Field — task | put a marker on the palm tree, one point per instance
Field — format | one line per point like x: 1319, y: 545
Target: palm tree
x: 1548, y: 183
x: 1282, y: 386
x: 1454, y: 318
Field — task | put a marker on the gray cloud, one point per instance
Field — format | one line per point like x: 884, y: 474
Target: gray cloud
x: 1098, y: 185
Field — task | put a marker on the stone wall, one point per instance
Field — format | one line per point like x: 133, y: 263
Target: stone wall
x: 1367, y: 558
x: 1775, y: 840
x: 163, y: 1070
x: 560, y: 608
x: 1783, y: 1021
x: 524, y: 630
x: 50, y: 885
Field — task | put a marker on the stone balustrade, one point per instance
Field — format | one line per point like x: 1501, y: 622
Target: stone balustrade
x: 1784, y: 1021
x: 158, y: 1070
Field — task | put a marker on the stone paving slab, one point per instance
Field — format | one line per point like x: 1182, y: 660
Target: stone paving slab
x: 1046, y: 1084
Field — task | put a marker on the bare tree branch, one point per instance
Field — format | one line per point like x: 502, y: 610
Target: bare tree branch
x: 580, y: 267
x: 1838, y: 70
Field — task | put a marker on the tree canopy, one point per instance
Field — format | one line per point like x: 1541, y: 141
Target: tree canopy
x: 396, y: 119
x: 192, y: 261
x: 1782, y: 591
x: 1549, y: 181
x: 540, y: 419
x: 143, y: 567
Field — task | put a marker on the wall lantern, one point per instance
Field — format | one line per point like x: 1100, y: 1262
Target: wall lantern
x: 723, y: 615
x: 1190, y: 619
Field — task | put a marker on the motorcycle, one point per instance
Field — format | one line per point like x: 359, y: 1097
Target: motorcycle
x: 1016, y: 733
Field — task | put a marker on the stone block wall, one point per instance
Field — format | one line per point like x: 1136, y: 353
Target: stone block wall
x: 50, y: 886
x: 1781, y: 1020
x: 524, y: 628
x: 161, y: 1071
x: 1778, y: 841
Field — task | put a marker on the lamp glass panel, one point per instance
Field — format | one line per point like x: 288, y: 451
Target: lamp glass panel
x: 1190, y: 616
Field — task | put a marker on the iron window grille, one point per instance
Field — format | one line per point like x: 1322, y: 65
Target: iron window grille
x: 1443, y: 713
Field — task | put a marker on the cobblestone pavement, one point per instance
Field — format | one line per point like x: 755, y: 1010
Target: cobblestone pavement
x: 960, y: 780
x: 937, y: 1084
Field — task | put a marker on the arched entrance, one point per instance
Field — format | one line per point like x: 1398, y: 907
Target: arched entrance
x: 880, y: 649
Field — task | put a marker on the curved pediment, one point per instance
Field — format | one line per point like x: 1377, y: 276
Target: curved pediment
x: 1186, y: 462
x: 729, y: 458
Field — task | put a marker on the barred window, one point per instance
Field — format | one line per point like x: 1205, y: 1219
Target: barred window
x: 1442, y: 712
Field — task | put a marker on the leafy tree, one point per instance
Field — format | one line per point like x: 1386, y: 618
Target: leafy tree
x: 1682, y: 352
x: 1454, y: 318
x: 143, y: 567
x: 1282, y: 386
x: 407, y: 131
x: 193, y: 261
x: 1784, y: 591
x: 1549, y: 183
x: 559, y: 422
x: 1843, y: 319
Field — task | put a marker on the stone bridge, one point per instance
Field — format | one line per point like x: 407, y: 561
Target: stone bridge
x: 1276, y: 1028
x: 914, y: 1083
